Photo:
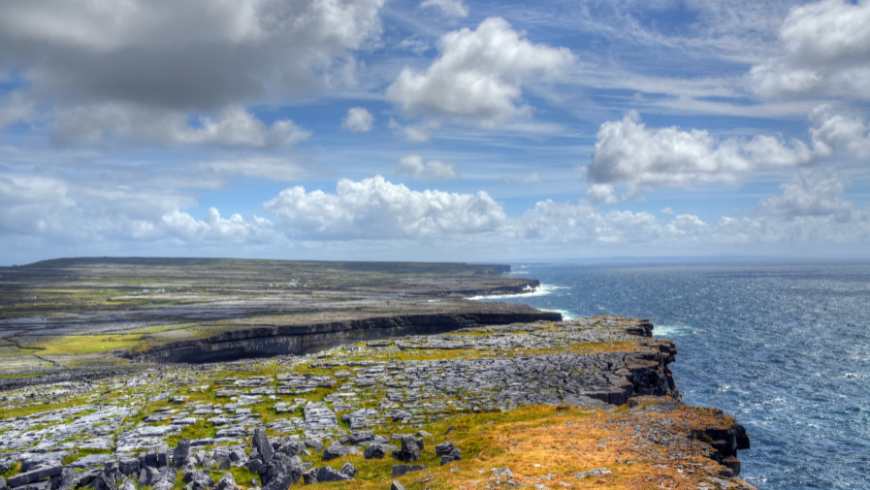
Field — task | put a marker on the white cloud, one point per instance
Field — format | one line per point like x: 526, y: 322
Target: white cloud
x: 478, y: 75
x: 602, y: 193
x: 416, y: 133
x: 826, y: 51
x: 668, y: 210
x: 627, y: 152
x: 176, y: 60
x: 374, y: 214
x: 845, y: 135
x: 272, y: 168
x: 15, y: 108
x: 234, y: 126
x: 450, y: 8
x: 414, y: 45
x: 429, y: 171
x: 524, y: 179
x: 374, y: 209
x: 358, y: 120
x: 809, y: 195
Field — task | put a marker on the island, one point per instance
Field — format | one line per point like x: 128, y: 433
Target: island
x: 135, y: 373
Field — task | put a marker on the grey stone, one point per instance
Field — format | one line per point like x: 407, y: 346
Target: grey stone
x: 327, y: 474
x: 198, y: 480
x: 375, y: 451
x: 47, y: 471
x: 165, y: 479
x: 401, y: 469
x: 163, y: 456
x: 227, y: 482
x: 310, y: 476
x: 410, y: 450
x: 3, y: 484
x: 261, y: 443
x: 444, y: 448
x: 182, y: 452
x: 314, y: 444
x: 446, y: 459
x: 67, y: 479
x: 335, y: 451
x: 129, y: 467
x: 105, y: 482
x: 127, y: 484
x: 396, y: 485
x: 280, y: 472
x: 348, y: 469
x: 148, y: 476
x: 595, y: 472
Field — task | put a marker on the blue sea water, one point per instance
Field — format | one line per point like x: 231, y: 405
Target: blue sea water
x: 783, y: 347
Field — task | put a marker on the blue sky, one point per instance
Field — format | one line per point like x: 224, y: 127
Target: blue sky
x: 434, y: 129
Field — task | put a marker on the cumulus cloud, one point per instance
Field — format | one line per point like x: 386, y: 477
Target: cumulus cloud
x: 668, y: 210
x: 429, y: 171
x: 826, y: 51
x: 809, y: 210
x: 358, y: 120
x: 478, y: 75
x: 845, y: 135
x: 375, y: 209
x: 627, y: 152
x: 809, y: 194
x: 233, y: 126
x: 602, y: 194
x: 522, y: 179
x: 200, y: 55
x: 450, y: 8
x: 148, y: 63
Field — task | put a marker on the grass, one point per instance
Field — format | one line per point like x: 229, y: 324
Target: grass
x: 90, y: 344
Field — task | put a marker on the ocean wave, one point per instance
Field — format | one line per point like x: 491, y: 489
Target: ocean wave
x: 671, y: 330
x: 542, y: 290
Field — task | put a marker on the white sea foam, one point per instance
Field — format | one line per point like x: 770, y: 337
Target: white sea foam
x: 542, y: 290
x: 671, y: 330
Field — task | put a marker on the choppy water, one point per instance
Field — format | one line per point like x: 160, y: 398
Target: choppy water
x: 784, y: 347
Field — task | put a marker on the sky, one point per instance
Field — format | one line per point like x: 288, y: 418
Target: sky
x: 434, y: 130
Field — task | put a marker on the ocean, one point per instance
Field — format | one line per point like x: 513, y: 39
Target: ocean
x: 783, y: 347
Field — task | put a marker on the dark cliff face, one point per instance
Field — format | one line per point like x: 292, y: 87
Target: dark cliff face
x: 303, y: 339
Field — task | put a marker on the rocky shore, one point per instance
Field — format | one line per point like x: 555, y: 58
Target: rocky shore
x: 587, y: 403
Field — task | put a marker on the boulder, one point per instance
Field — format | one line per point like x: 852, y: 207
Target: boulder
x: 261, y: 443
x: 182, y: 452
x: 310, y: 476
x: 396, y: 486
x: 126, y: 484
x: 148, y: 476
x: 227, y: 482
x: 314, y: 444
x: 280, y: 472
x: 327, y: 474
x: 198, y: 480
x: 335, y: 451
x: 444, y: 448
x: 163, y: 456
x: 48, y: 470
x: 129, y: 467
x: 410, y: 450
x: 401, y: 469
x: 375, y: 451
x: 348, y: 470
x: 165, y: 479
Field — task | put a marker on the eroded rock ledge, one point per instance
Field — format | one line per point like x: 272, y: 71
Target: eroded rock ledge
x: 304, y: 339
x: 572, y: 404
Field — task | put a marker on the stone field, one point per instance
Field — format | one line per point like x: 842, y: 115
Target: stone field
x: 587, y: 403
